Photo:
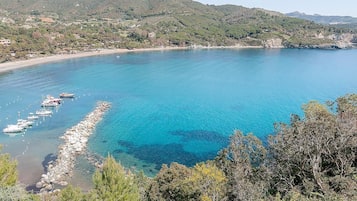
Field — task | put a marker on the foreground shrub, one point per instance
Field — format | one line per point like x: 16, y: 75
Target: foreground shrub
x: 71, y: 193
x: 16, y: 193
x: 113, y: 183
x: 243, y: 163
x: 8, y: 171
x: 316, y: 155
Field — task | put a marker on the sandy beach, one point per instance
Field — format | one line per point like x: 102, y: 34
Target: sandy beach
x: 8, y: 66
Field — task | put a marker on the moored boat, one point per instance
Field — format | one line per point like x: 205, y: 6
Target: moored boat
x: 50, y: 98
x: 49, y: 103
x: 66, y: 95
x: 32, y: 117
x: 23, y: 123
x: 13, y: 129
x: 43, y: 112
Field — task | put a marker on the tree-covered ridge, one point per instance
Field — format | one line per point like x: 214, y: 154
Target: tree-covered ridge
x: 312, y: 158
x: 340, y: 22
x: 322, y: 19
x: 37, y: 27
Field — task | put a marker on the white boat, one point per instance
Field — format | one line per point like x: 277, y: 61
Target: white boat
x: 44, y: 112
x: 66, y: 95
x: 24, y: 123
x: 50, y: 98
x: 13, y: 129
x: 32, y: 117
x: 49, y: 103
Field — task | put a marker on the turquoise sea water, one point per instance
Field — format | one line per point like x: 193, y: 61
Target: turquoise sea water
x: 172, y: 105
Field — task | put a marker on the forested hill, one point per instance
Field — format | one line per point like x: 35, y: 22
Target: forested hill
x: 50, y: 26
x: 116, y: 9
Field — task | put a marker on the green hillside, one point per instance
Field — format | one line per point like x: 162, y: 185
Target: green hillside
x: 120, y: 9
x: 51, y: 26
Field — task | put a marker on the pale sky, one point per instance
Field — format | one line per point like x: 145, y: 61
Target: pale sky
x: 322, y: 7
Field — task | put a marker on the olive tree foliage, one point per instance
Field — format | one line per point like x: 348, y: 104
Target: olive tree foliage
x: 203, y: 182
x: 316, y: 155
x: 209, y: 180
x: 143, y: 183
x: 8, y: 171
x: 243, y: 163
x: 169, y: 184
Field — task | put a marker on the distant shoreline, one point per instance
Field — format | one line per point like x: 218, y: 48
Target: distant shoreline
x: 13, y: 65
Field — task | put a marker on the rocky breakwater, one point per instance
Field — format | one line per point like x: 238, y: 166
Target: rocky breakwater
x: 75, y: 142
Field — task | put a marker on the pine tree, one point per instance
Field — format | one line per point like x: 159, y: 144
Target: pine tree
x: 8, y: 171
x: 112, y: 183
x: 71, y: 193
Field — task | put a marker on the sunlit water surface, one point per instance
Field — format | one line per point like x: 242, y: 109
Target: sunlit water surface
x: 168, y: 106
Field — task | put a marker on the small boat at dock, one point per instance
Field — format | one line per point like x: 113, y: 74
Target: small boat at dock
x: 13, y: 129
x: 44, y: 112
x: 23, y: 123
x: 50, y: 98
x: 66, y: 95
x: 32, y: 117
x: 49, y: 103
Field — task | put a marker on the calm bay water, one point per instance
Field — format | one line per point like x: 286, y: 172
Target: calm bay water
x: 169, y: 106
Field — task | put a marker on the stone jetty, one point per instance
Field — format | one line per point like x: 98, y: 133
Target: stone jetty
x: 75, y: 142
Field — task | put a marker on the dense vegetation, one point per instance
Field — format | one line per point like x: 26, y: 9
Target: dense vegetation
x: 312, y: 158
x: 9, y: 189
x: 38, y: 28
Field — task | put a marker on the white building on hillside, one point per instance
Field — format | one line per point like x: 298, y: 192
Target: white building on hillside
x: 5, y: 42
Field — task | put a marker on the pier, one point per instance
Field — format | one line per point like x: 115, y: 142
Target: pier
x: 75, y: 143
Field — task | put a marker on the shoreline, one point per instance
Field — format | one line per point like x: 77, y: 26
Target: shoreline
x: 14, y: 65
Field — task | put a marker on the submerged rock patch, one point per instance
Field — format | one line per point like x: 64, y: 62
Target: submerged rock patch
x: 162, y: 153
x: 201, y: 135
